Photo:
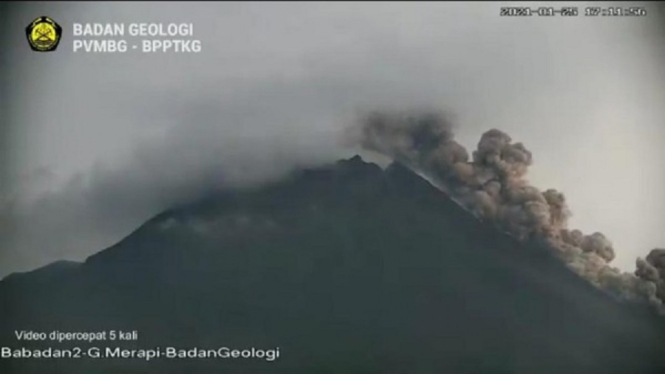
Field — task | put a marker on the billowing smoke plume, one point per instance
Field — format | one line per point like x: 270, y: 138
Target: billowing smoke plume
x: 491, y: 183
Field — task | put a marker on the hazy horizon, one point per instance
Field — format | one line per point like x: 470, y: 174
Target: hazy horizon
x: 98, y: 143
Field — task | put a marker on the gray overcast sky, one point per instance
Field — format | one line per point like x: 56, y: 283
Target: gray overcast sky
x: 94, y: 144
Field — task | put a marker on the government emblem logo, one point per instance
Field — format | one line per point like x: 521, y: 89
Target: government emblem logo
x: 43, y: 34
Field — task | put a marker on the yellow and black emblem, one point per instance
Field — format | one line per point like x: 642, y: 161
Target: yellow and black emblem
x: 43, y: 34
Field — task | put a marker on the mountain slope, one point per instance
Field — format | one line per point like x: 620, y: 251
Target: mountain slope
x: 347, y: 268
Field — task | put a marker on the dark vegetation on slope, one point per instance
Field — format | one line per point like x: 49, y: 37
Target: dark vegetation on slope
x: 347, y: 268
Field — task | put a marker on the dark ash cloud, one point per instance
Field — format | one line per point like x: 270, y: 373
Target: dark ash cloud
x: 492, y: 184
x: 120, y: 137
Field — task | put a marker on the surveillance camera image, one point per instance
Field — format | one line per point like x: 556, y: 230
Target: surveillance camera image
x: 332, y: 187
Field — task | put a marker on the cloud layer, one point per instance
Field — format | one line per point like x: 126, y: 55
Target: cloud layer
x: 94, y: 144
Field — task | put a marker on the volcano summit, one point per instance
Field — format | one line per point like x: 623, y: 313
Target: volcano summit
x: 345, y: 268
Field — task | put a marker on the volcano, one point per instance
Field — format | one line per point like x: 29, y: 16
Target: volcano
x: 345, y: 268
